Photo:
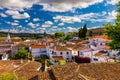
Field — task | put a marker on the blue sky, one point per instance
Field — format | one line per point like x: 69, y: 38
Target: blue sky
x: 37, y: 16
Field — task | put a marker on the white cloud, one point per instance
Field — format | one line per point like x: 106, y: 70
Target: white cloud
x: 17, y: 4
x: 71, y: 29
x: 33, y: 25
x: 21, y: 16
x: 67, y: 19
x: 50, y: 5
x: 12, y: 12
x: 47, y: 24
x: 61, y: 24
x: 54, y: 27
x: 36, y: 19
x: 16, y: 15
x: 76, y: 18
x: 113, y: 14
x: 94, y: 27
x: 4, y: 30
x: 26, y: 20
x: 14, y: 24
x: 3, y: 15
x: 67, y: 5
x: 20, y: 26
x: 11, y: 30
x: 16, y: 21
x: 92, y: 17
x: 113, y: 2
x: 110, y: 17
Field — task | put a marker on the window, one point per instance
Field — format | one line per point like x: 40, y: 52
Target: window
x: 52, y: 52
x: 95, y: 59
x: 81, y: 53
x: 67, y: 53
x: 61, y: 53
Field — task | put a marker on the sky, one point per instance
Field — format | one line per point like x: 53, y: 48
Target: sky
x: 50, y: 16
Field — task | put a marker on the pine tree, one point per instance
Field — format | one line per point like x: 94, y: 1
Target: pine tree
x: 82, y: 32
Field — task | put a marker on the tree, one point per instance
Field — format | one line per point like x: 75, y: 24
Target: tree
x: 82, y: 32
x: 68, y: 37
x: 45, y: 34
x: 52, y: 36
x: 113, y: 31
x: 90, y: 33
x: 21, y: 54
x: 9, y: 76
x: 59, y: 34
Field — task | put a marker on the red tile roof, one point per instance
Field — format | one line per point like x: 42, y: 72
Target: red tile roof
x: 6, y: 42
x: 5, y: 46
x: 60, y: 48
x: 92, y: 71
x: 38, y: 46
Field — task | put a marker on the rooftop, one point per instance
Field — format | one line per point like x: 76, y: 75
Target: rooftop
x: 38, y: 46
x: 90, y: 71
x: 30, y: 72
x: 60, y: 48
x: 10, y: 65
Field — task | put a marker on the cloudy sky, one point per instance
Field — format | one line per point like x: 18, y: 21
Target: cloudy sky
x: 37, y: 16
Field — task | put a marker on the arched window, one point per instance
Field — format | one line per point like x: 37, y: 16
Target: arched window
x: 61, y: 53
x: 67, y: 53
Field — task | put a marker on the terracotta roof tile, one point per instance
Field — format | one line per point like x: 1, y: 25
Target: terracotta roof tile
x: 6, y: 43
x: 89, y: 71
x: 60, y: 48
x: 38, y: 46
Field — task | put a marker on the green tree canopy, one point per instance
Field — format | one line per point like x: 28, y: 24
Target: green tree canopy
x: 90, y: 33
x: 21, y: 54
x: 113, y: 31
x: 68, y: 37
x: 59, y: 34
x: 52, y: 36
x: 8, y: 76
x: 82, y: 32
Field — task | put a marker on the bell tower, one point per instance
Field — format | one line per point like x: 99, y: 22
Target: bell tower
x: 8, y: 39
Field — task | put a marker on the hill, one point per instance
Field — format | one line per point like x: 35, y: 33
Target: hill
x: 29, y: 35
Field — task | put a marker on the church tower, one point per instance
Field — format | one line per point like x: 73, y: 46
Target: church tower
x: 8, y: 39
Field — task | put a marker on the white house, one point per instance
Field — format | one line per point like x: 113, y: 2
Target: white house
x: 4, y: 55
x: 37, y: 50
x: 100, y: 57
x: 60, y: 51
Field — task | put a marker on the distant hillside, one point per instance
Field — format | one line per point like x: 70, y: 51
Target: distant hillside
x: 31, y: 35
x: 96, y: 31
